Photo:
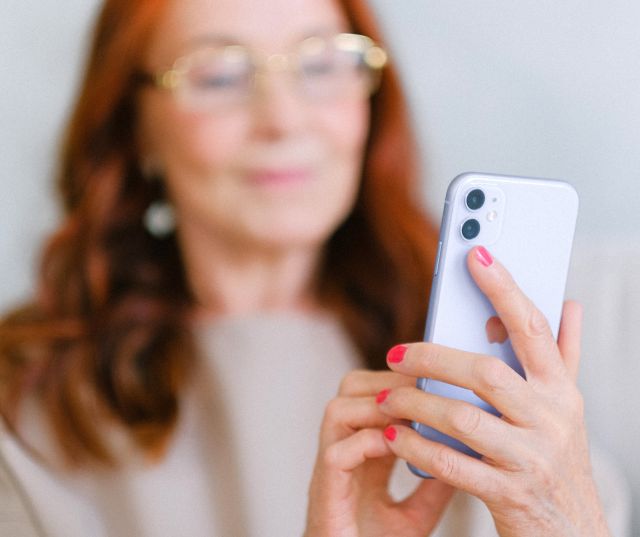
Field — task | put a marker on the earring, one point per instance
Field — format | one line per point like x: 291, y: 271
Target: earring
x: 159, y: 219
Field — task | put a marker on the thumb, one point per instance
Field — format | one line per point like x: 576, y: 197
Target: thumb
x: 569, y: 336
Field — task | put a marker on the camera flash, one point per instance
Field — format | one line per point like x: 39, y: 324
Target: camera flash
x: 491, y: 216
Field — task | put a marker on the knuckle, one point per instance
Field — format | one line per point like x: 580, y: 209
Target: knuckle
x: 334, y: 411
x: 558, y: 439
x: 502, y: 491
x: 545, y: 474
x: 465, y: 420
x: 540, y: 471
x: 515, y: 498
x: 570, y: 425
x: 401, y: 395
x: 396, y: 401
x: 444, y: 464
x: 493, y: 374
x: 529, y: 461
x: 331, y: 456
x: 536, y: 323
x: 567, y: 416
x: 351, y: 382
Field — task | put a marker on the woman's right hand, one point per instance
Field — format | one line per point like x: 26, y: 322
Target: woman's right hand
x: 349, y: 496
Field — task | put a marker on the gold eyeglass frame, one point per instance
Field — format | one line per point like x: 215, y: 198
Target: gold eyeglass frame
x: 375, y: 57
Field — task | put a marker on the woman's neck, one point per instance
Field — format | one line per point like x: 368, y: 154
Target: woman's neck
x: 233, y: 279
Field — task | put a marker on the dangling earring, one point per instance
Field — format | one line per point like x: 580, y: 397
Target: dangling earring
x: 159, y: 219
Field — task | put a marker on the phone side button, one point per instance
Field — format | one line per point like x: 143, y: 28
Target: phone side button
x: 435, y: 272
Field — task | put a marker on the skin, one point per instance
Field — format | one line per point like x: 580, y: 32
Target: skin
x: 348, y: 495
x: 535, y: 475
x: 247, y: 245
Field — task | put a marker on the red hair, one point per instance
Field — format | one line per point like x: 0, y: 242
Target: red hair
x: 107, y: 338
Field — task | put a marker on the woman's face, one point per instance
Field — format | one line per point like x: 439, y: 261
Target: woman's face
x: 277, y: 170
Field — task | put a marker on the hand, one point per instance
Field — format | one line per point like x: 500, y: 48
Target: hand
x: 348, y: 496
x: 535, y: 474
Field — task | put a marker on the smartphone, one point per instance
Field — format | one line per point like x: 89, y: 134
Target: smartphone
x: 526, y: 223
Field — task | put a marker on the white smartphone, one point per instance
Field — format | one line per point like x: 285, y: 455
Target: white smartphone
x: 526, y: 223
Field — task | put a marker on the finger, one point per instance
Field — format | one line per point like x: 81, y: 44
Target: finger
x: 349, y: 453
x: 569, y: 336
x: 345, y: 415
x: 333, y: 481
x: 483, y: 432
x: 488, y: 377
x: 528, y: 329
x: 446, y: 464
x: 427, y: 502
x: 362, y: 382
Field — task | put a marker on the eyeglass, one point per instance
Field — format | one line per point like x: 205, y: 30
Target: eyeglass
x: 324, y: 68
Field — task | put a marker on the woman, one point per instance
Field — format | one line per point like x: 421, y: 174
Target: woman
x: 169, y: 379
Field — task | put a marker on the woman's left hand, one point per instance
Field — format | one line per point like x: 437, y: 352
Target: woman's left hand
x: 535, y: 474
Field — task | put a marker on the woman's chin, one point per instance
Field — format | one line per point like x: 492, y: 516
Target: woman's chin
x: 297, y: 229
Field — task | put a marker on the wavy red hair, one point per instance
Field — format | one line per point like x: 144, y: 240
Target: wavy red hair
x: 107, y: 338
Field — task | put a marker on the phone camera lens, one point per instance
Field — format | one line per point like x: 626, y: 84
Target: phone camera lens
x: 471, y: 229
x: 475, y: 199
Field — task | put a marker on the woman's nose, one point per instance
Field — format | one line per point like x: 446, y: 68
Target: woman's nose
x: 279, y: 108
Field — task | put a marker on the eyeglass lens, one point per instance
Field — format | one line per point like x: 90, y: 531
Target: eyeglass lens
x: 223, y: 76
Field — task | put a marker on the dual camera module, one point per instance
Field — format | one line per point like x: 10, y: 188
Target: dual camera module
x: 474, y: 201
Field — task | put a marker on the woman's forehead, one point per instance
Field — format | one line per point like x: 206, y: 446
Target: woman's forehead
x: 270, y: 25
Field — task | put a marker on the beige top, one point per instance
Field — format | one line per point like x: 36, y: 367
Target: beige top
x: 243, y: 453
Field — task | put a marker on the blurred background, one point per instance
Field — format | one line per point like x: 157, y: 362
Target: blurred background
x: 545, y: 88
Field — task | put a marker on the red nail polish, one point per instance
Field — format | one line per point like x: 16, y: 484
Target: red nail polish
x: 396, y: 354
x: 390, y: 433
x: 484, y: 256
x: 382, y: 396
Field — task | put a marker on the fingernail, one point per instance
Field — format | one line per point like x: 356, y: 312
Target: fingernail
x: 382, y: 396
x: 390, y: 433
x: 396, y: 354
x: 483, y: 256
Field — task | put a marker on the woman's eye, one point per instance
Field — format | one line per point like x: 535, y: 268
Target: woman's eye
x: 218, y: 79
x: 334, y: 63
x: 319, y: 67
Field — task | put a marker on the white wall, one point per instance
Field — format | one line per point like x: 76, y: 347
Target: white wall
x: 42, y: 44
x: 544, y: 88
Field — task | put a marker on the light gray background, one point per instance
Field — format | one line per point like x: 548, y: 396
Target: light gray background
x: 542, y: 88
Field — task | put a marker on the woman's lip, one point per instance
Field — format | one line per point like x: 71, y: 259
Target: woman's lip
x: 279, y: 176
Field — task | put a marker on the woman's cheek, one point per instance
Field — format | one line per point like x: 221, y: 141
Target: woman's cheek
x: 208, y: 143
x: 346, y: 124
